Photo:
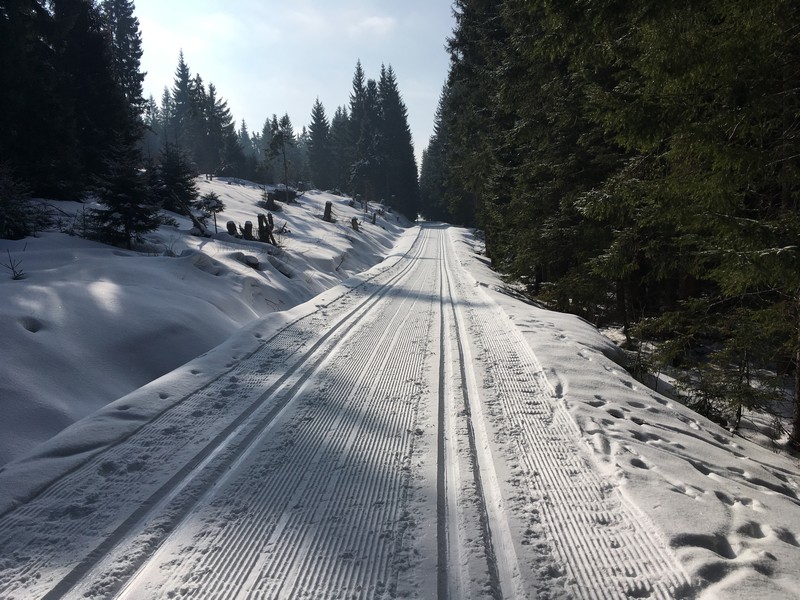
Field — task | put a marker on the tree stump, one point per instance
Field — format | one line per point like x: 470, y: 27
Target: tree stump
x: 328, y: 208
x: 248, y: 230
x: 354, y: 223
x: 265, y: 227
x: 231, y: 226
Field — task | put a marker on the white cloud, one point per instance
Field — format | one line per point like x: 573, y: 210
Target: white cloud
x: 374, y: 26
x: 309, y: 22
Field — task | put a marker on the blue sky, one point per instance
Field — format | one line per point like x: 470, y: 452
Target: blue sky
x: 267, y: 57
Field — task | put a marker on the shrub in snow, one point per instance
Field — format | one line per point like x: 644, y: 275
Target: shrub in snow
x: 16, y: 214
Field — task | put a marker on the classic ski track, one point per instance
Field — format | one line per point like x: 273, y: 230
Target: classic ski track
x: 281, y: 546
x: 500, y: 567
x: 116, y: 475
x: 294, y: 469
x: 606, y: 543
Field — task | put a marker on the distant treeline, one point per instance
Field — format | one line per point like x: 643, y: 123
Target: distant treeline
x: 365, y: 149
x: 638, y: 163
x: 71, y: 105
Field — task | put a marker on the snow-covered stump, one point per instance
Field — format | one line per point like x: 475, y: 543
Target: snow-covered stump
x: 248, y: 231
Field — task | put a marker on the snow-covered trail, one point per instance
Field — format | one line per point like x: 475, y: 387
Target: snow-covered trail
x: 400, y: 441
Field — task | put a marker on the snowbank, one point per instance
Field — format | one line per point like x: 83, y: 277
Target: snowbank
x: 729, y: 509
x: 89, y: 323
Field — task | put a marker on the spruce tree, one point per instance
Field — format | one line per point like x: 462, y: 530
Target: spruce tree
x: 126, y: 49
x: 341, y: 147
x: 128, y: 209
x: 176, y: 188
x: 433, y: 170
x: 250, y: 154
x: 282, y: 134
x: 180, y: 111
x: 400, y: 183
x: 367, y: 171
x: 319, y: 151
x: 266, y: 170
x: 166, y: 117
x: 357, y: 106
x: 16, y: 217
x: 39, y: 139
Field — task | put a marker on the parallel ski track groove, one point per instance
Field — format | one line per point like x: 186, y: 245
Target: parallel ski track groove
x: 443, y: 498
x: 467, y: 565
x: 596, y: 533
x: 299, y: 547
x: 74, y: 486
x: 489, y: 514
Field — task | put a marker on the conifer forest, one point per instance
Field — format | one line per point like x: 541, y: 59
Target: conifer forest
x: 638, y: 164
x: 72, y: 110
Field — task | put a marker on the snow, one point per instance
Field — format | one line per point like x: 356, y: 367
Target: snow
x: 89, y: 323
x: 729, y: 509
x: 585, y: 475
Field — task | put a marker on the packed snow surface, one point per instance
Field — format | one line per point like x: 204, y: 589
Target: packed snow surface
x: 412, y: 431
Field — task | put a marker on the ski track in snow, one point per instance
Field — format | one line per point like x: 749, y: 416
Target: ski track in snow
x: 400, y: 441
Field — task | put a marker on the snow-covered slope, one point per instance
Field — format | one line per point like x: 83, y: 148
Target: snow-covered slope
x: 729, y: 509
x: 88, y: 323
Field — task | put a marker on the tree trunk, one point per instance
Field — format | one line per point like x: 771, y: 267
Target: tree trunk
x: 794, y: 439
x: 202, y: 228
x: 285, y: 174
x: 622, y: 309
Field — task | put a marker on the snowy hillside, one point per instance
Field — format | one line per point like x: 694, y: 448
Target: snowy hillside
x: 88, y: 323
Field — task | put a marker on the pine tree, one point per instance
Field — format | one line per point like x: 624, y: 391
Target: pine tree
x: 198, y: 140
x: 400, y: 185
x: 244, y: 139
x: 266, y: 170
x: 128, y: 209
x: 176, y: 189
x: 15, y: 211
x: 433, y: 171
x: 250, y: 150
x: 181, y: 104
x: 319, y: 150
x: 126, y: 46
x: 39, y: 139
x: 341, y: 146
x: 87, y: 87
x: 212, y: 204
x: 367, y: 170
x: 166, y: 117
x: 357, y: 106
x: 298, y: 157
x: 472, y: 82
x: 282, y: 134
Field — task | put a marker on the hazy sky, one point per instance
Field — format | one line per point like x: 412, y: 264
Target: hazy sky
x: 268, y: 56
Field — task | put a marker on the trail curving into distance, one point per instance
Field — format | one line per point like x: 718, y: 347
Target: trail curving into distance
x: 400, y: 441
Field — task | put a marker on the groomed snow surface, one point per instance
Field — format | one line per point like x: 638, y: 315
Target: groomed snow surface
x: 409, y: 431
